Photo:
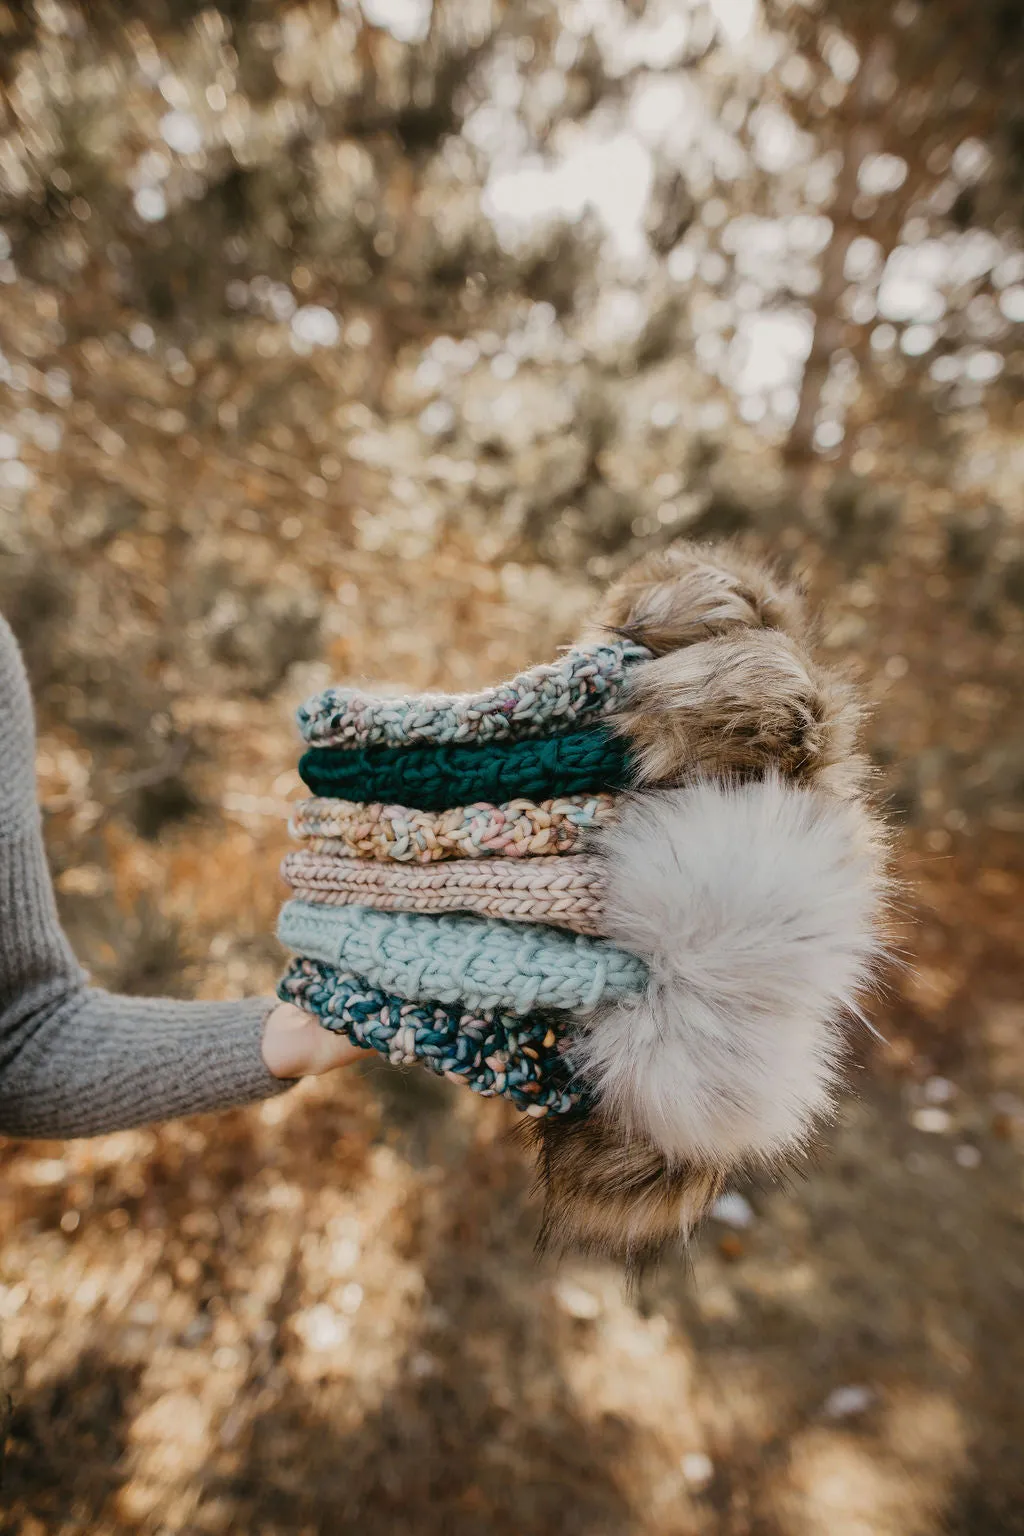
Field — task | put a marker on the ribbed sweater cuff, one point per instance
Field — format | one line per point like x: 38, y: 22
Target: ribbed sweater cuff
x: 101, y: 1062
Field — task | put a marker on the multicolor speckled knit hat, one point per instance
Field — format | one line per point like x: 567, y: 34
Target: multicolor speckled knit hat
x: 635, y: 891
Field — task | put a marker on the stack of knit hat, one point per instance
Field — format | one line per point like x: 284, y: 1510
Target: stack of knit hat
x: 633, y: 891
x: 443, y: 912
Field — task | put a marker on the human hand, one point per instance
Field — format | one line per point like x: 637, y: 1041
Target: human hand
x: 295, y: 1045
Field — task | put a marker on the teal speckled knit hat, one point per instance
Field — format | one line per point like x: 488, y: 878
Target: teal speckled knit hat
x: 634, y: 891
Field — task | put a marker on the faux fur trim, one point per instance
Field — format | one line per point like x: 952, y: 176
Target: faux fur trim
x: 755, y: 908
x: 742, y: 705
x: 689, y: 592
x: 612, y: 1193
x: 734, y: 688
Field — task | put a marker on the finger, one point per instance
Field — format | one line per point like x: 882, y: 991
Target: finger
x: 295, y: 1045
x: 325, y: 1050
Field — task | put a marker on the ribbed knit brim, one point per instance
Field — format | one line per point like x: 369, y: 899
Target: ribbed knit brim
x: 546, y: 700
x: 435, y: 778
x: 519, y: 829
x: 491, y: 1051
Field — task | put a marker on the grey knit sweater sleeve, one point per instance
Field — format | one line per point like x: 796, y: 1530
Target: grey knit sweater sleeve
x: 75, y: 1061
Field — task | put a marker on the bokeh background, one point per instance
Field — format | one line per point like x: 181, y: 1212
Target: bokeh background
x: 365, y: 342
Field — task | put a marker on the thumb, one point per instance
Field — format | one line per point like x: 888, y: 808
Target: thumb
x: 295, y: 1045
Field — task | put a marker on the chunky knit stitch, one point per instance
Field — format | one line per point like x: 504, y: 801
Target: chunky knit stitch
x: 492, y: 1052
x: 473, y: 960
x: 436, y: 778
x: 563, y: 892
x: 582, y: 685
x: 516, y: 830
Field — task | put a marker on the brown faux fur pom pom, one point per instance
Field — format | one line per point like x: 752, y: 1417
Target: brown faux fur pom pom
x: 738, y: 706
x: 609, y: 1193
x: 689, y: 592
x: 734, y: 689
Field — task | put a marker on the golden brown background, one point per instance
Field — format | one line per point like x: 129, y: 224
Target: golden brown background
x: 364, y: 344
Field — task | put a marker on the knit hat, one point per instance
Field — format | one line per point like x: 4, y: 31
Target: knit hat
x: 636, y: 891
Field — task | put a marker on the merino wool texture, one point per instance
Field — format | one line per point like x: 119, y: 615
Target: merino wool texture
x: 490, y: 1051
x: 517, y: 830
x: 516, y: 967
x: 436, y: 778
x: 563, y: 892
x: 544, y: 701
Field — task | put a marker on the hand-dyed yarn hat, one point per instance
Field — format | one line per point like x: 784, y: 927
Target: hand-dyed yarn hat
x: 636, y: 891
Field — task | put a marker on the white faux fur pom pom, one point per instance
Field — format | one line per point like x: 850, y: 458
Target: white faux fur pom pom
x: 755, y: 907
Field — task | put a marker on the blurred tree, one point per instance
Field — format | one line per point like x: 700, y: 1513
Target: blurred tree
x: 818, y: 204
x: 926, y: 128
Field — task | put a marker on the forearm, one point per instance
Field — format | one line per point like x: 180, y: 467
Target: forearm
x: 92, y: 1062
x: 75, y: 1061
